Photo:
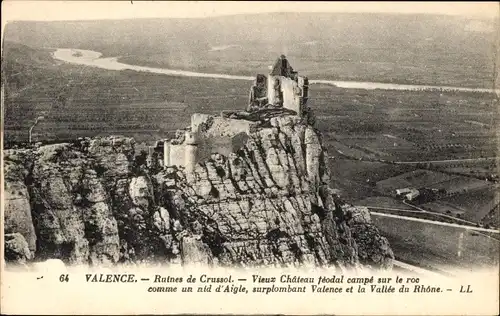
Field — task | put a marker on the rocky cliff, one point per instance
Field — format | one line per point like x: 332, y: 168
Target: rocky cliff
x: 97, y: 201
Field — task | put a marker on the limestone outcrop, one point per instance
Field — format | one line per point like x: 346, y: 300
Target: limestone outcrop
x: 96, y: 201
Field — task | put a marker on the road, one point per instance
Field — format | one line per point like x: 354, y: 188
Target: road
x: 399, y: 265
x: 437, y: 214
x: 416, y: 211
x: 445, y: 161
x: 418, y: 161
x: 451, y: 217
x: 474, y: 228
x: 438, y: 246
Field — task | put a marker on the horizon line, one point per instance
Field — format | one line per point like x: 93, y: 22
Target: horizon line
x: 50, y: 11
x: 489, y: 18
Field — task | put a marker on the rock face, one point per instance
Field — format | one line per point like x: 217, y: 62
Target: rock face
x: 95, y: 201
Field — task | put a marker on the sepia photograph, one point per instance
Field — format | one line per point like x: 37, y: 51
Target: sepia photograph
x: 345, y: 135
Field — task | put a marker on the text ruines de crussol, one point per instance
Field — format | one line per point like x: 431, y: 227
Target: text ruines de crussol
x: 284, y: 283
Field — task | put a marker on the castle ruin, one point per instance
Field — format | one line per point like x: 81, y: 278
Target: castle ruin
x: 283, y: 91
x: 283, y: 87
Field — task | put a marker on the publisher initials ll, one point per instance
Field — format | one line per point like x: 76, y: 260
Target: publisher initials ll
x: 468, y: 290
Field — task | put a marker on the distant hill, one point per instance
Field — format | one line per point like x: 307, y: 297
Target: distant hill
x: 271, y: 28
x: 429, y: 49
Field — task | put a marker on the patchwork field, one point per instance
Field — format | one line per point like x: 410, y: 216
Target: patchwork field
x: 460, y: 185
x: 472, y: 206
x: 429, y: 245
x: 475, y: 170
x: 416, y: 179
x: 382, y: 202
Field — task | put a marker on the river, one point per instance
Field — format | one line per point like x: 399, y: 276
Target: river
x: 94, y: 59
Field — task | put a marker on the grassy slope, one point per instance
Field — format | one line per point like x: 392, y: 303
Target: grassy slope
x: 421, y: 49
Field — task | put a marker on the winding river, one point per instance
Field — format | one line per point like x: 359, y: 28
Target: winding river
x: 94, y: 59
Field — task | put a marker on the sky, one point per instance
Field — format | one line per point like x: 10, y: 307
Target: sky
x: 84, y: 10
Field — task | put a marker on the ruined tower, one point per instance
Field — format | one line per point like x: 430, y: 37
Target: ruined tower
x: 190, y: 153
x: 283, y: 88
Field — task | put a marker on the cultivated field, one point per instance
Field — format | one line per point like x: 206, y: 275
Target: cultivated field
x: 460, y: 184
x: 473, y: 205
x: 427, y: 244
x: 415, y: 179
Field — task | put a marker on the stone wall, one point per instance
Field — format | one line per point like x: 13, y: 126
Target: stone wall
x: 174, y: 155
x: 271, y: 89
x: 207, y: 126
x: 291, y: 95
x: 208, y: 135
